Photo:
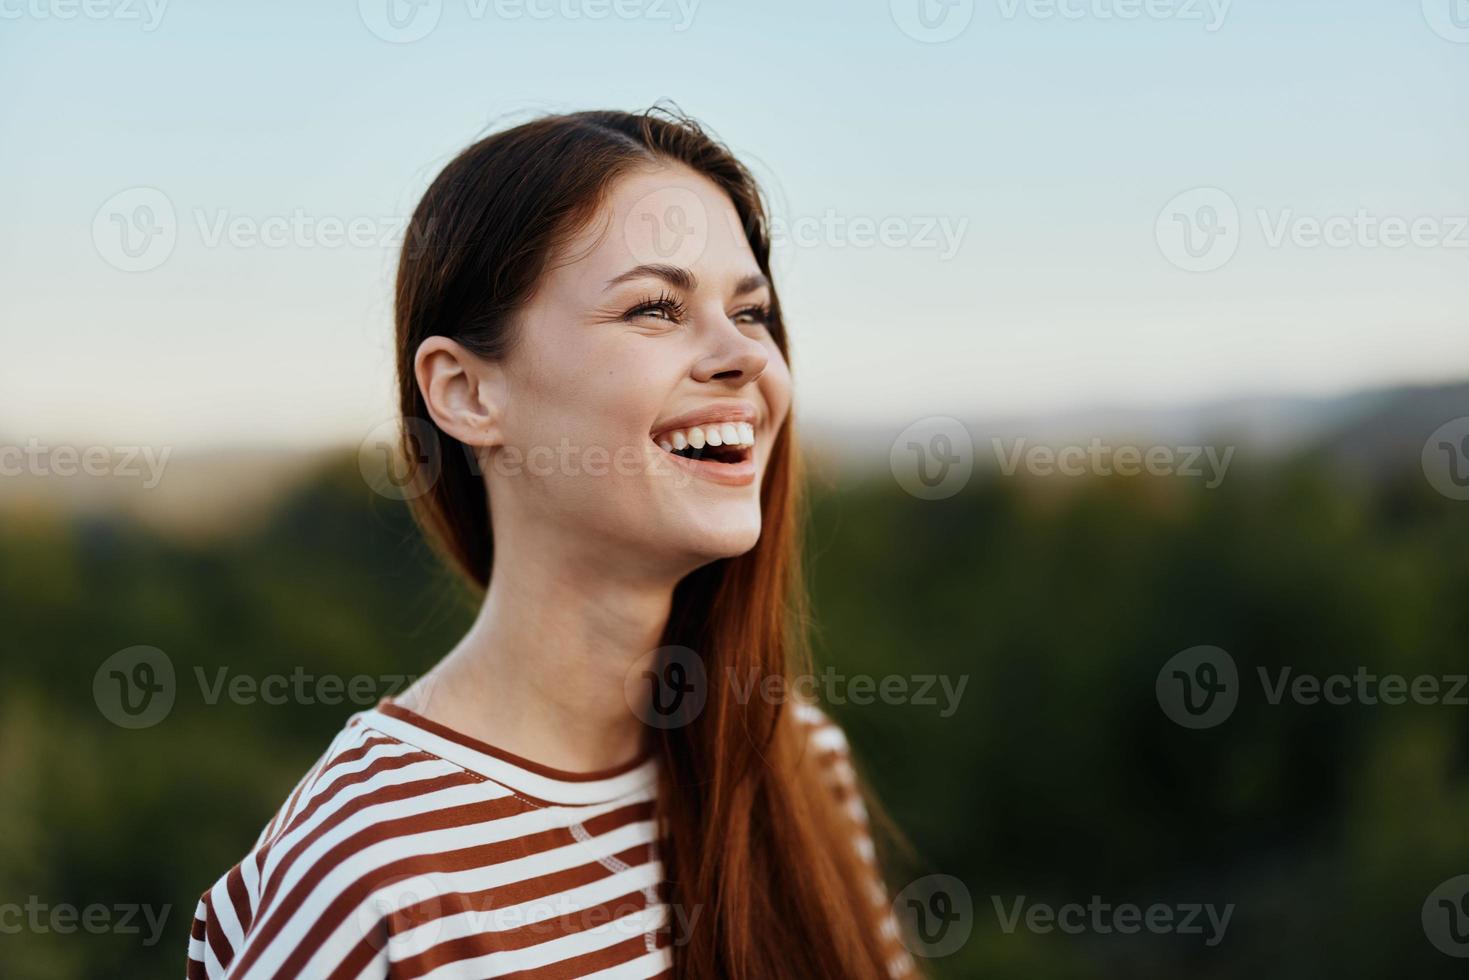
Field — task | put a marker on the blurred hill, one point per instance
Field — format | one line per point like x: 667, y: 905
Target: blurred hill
x: 200, y: 494
x: 1363, y: 430
x: 1366, y: 432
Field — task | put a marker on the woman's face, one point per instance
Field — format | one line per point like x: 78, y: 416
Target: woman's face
x: 645, y: 344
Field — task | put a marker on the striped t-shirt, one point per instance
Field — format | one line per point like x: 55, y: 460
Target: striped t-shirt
x: 411, y: 850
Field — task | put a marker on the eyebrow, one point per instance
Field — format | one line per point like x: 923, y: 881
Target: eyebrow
x: 684, y: 279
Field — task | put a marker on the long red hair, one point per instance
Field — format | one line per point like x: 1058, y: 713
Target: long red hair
x: 757, y: 851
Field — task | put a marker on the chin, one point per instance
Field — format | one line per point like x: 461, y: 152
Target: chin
x: 708, y: 540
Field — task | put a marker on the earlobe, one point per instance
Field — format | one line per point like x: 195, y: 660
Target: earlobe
x: 460, y: 390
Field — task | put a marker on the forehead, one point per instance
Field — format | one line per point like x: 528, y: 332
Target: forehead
x: 665, y: 214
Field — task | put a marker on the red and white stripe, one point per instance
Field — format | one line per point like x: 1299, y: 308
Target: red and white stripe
x: 413, y: 851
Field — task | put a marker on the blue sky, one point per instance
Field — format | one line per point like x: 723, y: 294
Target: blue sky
x: 1052, y: 142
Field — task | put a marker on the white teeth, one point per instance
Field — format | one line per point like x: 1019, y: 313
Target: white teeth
x: 717, y: 434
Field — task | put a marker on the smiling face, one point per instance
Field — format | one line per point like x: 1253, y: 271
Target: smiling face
x: 644, y: 389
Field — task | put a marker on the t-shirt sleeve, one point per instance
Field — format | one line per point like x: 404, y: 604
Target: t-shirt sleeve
x: 228, y: 917
x: 221, y: 923
x: 834, y: 760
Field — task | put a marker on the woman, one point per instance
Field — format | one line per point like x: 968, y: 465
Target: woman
x: 606, y: 777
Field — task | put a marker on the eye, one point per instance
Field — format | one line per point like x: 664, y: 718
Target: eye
x: 665, y: 306
x: 757, y: 314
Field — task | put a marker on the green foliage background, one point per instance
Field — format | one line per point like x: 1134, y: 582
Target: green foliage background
x: 1058, y: 777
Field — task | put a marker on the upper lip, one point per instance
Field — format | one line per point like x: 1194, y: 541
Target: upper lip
x: 720, y: 412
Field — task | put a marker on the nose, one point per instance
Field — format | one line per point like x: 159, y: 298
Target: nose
x: 734, y: 358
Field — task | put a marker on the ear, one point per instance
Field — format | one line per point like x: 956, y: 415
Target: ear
x: 463, y: 391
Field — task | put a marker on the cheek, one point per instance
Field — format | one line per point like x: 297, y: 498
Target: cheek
x: 578, y: 384
x: 593, y: 393
x: 623, y: 397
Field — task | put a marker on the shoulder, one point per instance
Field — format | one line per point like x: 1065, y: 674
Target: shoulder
x: 361, y: 761
x: 366, y: 788
x: 830, y: 754
x: 819, y: 726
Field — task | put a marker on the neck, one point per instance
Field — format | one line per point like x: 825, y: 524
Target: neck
x: 541, y: 672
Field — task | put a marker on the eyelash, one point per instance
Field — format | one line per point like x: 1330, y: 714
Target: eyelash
x: 674, y: 310
x: 664, y: 302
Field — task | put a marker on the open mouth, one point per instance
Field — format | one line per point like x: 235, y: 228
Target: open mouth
x: 716, y: 442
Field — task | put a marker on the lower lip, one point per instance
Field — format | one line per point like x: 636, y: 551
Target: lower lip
x: 740, y: 474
